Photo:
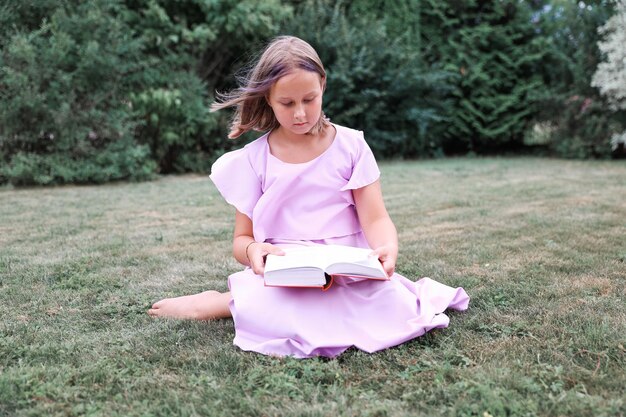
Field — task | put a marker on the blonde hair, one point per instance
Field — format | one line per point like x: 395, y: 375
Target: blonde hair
x: 282, y: 55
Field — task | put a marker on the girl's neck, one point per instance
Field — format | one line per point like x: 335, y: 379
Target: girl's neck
x: 283, y: 135
x: 293, y: 148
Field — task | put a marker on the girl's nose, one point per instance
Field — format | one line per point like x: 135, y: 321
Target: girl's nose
x: 299, y: 111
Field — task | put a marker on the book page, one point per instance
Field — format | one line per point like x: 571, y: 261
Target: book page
x: 296, y: 258
x: 321, y: 256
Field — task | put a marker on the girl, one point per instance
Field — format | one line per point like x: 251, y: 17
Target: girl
x: 305, y: 182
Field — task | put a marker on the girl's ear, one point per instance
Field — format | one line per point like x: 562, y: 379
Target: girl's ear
x: 323, y: 84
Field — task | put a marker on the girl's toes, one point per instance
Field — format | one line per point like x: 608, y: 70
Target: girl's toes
x: 154, y: 312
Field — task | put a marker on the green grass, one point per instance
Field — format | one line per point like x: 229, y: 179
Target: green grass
x: 539, y: 244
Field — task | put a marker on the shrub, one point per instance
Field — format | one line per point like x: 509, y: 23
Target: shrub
x: 117, y: 161
x: 583, y: 129
x: 610, y: 77
x: 192, y: 46
x: 174, y: 122
x: 107, y: 83
x: 63, y: 98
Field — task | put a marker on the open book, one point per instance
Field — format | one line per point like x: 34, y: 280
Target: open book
x: 316, y: 266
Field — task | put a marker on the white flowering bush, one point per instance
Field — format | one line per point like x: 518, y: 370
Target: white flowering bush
x: 610, y: 76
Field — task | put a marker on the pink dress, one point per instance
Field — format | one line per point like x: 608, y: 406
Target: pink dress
x: 311, y: 203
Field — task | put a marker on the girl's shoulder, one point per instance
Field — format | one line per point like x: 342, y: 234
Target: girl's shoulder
x: 257, y: 145
x: 351, y: 140
x: 253, y: 149
x: 249, y: 157
x: 348, y: 134
x: 355, y: 150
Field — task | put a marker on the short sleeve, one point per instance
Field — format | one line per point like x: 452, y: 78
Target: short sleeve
x: 236, y: 180
x: 364, y: 167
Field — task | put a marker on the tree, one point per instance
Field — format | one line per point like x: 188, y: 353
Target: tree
x: 493, y: 48
x: 572, y: 120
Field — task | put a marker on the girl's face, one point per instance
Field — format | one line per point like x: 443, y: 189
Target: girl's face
x: 296, y: 100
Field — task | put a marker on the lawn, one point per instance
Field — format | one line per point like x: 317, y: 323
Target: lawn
x: 539, y: 245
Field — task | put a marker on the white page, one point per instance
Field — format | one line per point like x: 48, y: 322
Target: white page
x: 319, y: 256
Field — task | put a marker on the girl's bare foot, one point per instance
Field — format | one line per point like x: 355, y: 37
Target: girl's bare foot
x: 204, y: 306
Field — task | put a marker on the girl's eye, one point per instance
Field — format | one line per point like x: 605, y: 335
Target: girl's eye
x: 291, y: 103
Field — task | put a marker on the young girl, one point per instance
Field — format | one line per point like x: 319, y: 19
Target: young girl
x: 307, y: 182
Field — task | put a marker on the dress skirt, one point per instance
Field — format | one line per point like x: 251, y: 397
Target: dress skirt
x: 308, y: 322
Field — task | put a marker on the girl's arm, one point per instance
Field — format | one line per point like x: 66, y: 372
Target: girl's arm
x: 246, y: 250
x: 379, y: 229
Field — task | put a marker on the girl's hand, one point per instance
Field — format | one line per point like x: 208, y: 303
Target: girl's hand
x: 387, y: 255
x: 257, y: 251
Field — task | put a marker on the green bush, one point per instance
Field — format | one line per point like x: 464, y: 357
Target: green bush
x: 584, y: 129
x: 98, y: 90
x: 64, y: 99
x: 192, y: 46
x: 117, y: 161
x: 173, y: 121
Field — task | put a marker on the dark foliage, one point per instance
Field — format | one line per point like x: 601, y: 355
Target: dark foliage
x: 377, y: 81
x: 97, y: 90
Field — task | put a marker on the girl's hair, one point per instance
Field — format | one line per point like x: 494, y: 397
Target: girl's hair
x: 283, y: 55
